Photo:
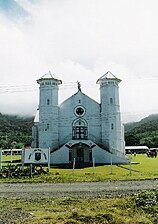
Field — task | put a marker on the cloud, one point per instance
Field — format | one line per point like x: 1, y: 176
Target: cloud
x: 12, y: 9
x: 80, y: 40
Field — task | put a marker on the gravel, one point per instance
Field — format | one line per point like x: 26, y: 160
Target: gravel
x: 86, y: 189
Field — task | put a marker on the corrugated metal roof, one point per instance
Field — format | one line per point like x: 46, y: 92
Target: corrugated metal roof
x: 136, y: 147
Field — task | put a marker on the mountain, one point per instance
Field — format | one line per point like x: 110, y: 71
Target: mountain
x: 144, y: 132
x: 15, y: 131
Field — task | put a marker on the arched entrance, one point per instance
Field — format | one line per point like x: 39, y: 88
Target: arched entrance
x: 81, y: 152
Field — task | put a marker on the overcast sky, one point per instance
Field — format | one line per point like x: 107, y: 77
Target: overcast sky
x: 79, y: 40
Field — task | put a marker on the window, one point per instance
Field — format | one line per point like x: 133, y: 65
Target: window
x: 111, y: 100
x: 47, y: 127
x: 54, y: 84
x: 79, y: 133
x: 48, y: 83
x: 111, y: 82
x: 79, y: 129
x: 48, y: 102
x: 112, y: 126
x: 79, y: 111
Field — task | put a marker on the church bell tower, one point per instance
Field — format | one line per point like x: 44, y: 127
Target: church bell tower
x: 48, y: 111
x: 111, y: 127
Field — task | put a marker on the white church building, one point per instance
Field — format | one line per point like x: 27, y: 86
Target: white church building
x: 80, y: 128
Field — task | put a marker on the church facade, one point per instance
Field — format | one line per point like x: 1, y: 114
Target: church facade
x: 80, y: 129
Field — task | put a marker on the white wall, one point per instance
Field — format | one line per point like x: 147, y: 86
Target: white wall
x: 102, y: 156
x: 61, y: 156
x: 67, y: 117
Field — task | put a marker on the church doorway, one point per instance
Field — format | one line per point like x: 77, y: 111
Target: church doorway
x: 81, y: 153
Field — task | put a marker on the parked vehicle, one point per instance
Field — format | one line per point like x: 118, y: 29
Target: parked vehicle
x: 152, y: 152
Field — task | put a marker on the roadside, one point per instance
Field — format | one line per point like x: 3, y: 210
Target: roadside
x: 90, y: 189
x: 83, y: 202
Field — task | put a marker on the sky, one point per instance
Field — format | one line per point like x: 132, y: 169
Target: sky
x: 79, y: 40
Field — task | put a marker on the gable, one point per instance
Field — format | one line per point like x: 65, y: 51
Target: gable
x: 79, y: 110
x: 79, y: 99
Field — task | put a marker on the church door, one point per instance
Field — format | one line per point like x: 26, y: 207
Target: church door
x: 80, y: 155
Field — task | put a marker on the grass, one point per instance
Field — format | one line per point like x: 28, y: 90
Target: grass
x: 143, y: 167
x: 79, y: 210
x: 15, y: 159
x: 141, y: 208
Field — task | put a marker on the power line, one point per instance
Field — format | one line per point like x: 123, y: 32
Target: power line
x: 73, y: 83
x: 27, y: 88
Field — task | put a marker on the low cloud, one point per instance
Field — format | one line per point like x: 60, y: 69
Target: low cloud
x: 79, y: 41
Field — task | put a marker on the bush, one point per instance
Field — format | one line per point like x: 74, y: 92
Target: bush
x: 147, y: 199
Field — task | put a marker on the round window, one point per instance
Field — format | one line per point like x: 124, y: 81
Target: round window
x: 79, y: 111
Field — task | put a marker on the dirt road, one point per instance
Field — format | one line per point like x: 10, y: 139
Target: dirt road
x: 93, y: 189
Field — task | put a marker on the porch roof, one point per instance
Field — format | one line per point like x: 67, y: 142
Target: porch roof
x: 71, y: 143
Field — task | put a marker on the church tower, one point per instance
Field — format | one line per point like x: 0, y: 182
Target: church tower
x: 111, y: 128
x: 48, y: 111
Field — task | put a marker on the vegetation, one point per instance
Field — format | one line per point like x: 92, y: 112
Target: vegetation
x: 140, y: 208
x: 144, y: 132
x: 15, y: 131
x: 17, y: 171
x: 143, y: 167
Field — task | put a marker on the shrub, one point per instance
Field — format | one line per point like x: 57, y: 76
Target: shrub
x: 147, y: 199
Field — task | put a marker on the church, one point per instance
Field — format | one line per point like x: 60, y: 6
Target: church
x: 80, y: 129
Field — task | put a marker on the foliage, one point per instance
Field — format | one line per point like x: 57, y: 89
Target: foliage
x: 144, y: 132
x: 146, y: 199
x: 16, y: 171
x: 15, y: 131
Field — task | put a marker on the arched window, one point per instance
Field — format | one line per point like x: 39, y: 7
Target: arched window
x: 79, y: 129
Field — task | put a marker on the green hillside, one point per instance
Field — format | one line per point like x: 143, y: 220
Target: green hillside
x: 15, y: 131
x: 144, y: 132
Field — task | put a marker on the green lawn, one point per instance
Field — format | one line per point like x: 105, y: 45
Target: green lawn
x: 15, y: 159
x: 140, y: 208
x: 142, y: 167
